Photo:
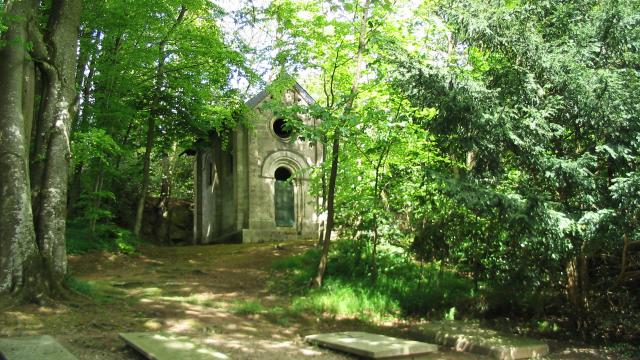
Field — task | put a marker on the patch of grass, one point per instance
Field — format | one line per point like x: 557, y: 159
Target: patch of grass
x: 247, y: 307
x: 340, y: 298
x: 79, y: 286
x: 98, y: 291
x: 279, y: 315
x: 402, y: 286
x: 297, y: 271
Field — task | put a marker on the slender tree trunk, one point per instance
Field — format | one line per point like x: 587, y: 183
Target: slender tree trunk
x: 151, y: 123
x: 96, y: 202
x: 316, y: 282
x: 623, y: 261
x: 21, y: 272
x: 323, y: 206
x: 376, y: 197
x: 86, y: 61
x: 164, y: 205
x: 577, y: 289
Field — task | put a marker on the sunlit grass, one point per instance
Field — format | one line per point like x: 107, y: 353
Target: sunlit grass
x: 402, y: 287
x: 247, y: 307
x: 347, y: 300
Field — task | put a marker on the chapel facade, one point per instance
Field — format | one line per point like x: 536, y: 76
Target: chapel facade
x: 255, y: 188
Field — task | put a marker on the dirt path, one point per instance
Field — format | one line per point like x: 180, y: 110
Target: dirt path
x: 216, y: 293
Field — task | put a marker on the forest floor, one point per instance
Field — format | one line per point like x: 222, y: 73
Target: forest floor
x: 218, y: 292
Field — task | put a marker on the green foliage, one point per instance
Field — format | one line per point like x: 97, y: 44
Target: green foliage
x: 298, y: 269
x: 99, y: 291
x: 403, y: 286
x: 537, y: 110
x: 107, y: 237
x: 119, y: 81
x: 491, y: 148
x: 346, y: 299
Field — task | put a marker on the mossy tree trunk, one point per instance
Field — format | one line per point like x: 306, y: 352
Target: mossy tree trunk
x: 20, y: 266
x: 32, y: 230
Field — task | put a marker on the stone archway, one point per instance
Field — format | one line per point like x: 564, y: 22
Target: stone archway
x: 288, y: 194
x: 289, y: 159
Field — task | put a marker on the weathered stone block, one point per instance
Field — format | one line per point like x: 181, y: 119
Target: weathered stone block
x: 372, y: 346
x: 470, y: 337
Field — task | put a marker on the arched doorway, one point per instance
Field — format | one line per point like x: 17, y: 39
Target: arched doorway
x: 283, y: 197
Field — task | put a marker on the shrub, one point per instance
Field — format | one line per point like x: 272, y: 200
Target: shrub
x: 107, y: 237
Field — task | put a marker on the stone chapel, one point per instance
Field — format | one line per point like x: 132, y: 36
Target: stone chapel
x: 256, y: 188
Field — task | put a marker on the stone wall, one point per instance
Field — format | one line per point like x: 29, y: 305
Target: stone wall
x: 159, y: 229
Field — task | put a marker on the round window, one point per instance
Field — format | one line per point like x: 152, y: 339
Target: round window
x: 281, y: 129
x: 282, y: 174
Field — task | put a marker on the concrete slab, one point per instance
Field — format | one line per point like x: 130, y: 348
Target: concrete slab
x: 156, y: 346
x: 33, y: 348
x: 372, y: 346
x: 470, y: 337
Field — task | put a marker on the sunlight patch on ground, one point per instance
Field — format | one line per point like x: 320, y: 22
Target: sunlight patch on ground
x: 238, y: 342
x: 52, y: 311
x: 203, y: 299
x: 147, y: 292
x: 26, y: 321
x: 183, y: 325
x: 235, y: 327
x: 207, y: 314
x: 153, y: 324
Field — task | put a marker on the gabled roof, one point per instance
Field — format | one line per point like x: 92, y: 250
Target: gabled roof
x: 264, y: 93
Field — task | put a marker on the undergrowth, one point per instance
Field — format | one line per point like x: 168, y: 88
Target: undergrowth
x: 402, y: 287
x: 80, y: 239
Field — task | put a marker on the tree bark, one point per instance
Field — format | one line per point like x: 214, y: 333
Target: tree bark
x: 376, y: 197
x: 577, y: 290
x: 164, y: 205
x: 316, y: 282
x: 62, y: 40
x: 20, y: 266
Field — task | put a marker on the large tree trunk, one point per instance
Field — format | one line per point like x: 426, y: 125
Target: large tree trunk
x: 316, y: 282
x: 62, y: 37
x: 20, y: 266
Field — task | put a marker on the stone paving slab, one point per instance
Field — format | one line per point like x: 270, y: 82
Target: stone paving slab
x: 470, y: 337
x: 158, y: 346
x: 33, y: 348
x: 372, y: 346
